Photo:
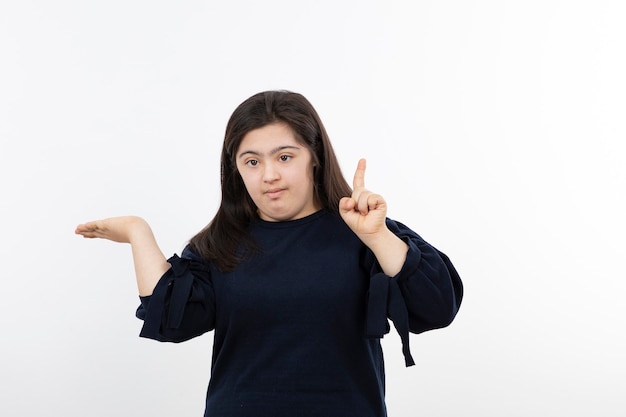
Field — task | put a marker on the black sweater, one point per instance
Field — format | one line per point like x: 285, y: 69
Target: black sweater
x: 297, y: 327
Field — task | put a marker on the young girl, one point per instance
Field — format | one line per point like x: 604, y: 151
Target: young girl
x: 296, y: 273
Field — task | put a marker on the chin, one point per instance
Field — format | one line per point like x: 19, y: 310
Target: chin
x: 275, y: 216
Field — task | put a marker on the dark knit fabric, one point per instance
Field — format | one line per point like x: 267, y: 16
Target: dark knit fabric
x: 297, y: 326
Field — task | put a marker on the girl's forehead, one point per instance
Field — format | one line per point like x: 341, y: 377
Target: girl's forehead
x: 268, y: 137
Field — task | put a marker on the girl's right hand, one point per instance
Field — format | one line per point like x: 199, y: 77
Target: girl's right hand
x: 118, y: 229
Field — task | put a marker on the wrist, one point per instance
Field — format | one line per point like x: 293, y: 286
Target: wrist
x: 380, y: 240
x: 138, y: 230
x: 390, y: 252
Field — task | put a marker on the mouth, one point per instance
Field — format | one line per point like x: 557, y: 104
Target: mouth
x: 274, y: 192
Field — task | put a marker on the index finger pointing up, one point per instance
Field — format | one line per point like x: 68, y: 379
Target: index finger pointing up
x: 359, y: 175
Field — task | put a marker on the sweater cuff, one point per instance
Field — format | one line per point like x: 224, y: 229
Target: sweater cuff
x: 385, y: 300
x: 177, y: 281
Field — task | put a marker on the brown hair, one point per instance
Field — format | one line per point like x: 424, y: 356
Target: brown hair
x: 225, y: 241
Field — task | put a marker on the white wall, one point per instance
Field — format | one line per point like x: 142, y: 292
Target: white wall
x: 494, y: 128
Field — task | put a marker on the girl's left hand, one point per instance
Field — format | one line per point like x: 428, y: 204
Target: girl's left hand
x: 364, y: 212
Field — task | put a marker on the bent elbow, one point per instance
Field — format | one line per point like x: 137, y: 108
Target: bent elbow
x: 440, y: 314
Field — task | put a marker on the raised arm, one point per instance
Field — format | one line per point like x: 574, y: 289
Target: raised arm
x: 150, y: 263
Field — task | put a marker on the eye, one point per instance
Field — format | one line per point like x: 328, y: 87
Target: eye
x: 252, y: 163
x: 284, y: 158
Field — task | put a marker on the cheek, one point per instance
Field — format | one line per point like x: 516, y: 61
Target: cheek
x: 310, y: 173
x: 250, y: 181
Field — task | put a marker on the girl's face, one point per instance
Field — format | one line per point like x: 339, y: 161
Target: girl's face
x: 277, y: 171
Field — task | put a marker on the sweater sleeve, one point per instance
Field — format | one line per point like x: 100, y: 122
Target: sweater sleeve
x: 182, y: 305
x: 426, y: 294
x: 429, y: 283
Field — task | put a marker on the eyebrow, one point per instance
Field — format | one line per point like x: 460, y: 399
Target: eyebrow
x: 272, y: 152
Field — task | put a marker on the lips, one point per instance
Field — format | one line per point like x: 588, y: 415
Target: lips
x: 274, y: 192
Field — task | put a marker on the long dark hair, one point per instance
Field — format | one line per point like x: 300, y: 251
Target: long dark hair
x: 225, y: 241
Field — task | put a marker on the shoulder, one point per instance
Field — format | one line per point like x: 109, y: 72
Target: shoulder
x: 190, y: 254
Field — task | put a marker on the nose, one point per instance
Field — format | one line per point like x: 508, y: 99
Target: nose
x: 270, y: 173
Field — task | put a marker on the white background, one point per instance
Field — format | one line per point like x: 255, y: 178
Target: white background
x: 495, y: 129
